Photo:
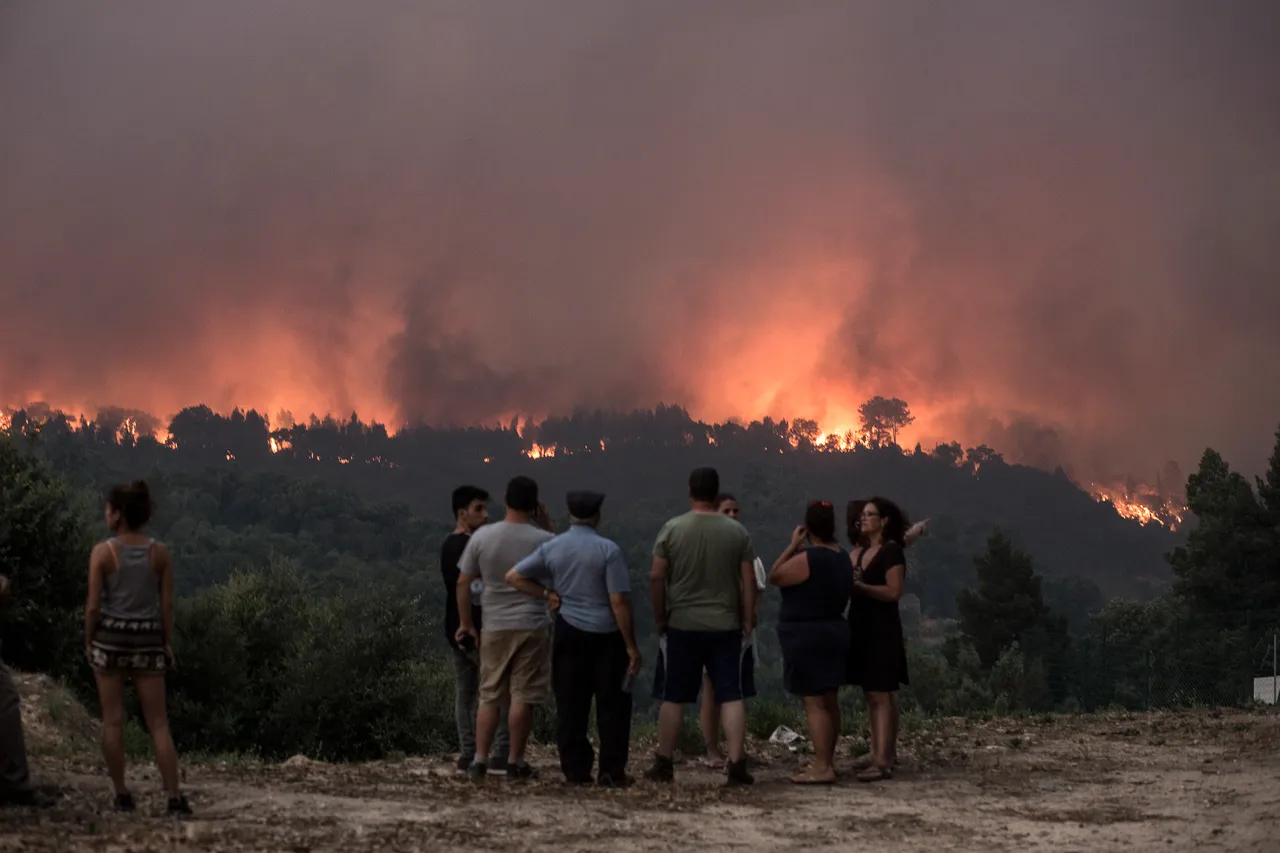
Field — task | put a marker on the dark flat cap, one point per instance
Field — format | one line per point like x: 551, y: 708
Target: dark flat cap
x: 584, y: 504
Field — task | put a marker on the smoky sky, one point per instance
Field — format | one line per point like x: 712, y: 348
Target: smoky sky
x: 1051, y: 227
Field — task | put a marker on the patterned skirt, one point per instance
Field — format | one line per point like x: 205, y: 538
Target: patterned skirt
x: 129, y: 646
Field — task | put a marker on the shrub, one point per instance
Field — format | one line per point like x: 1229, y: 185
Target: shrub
x: 270, y: 666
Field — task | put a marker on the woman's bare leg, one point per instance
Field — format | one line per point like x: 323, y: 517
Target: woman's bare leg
x: 832, y: 703
x: 111, y: 697
x: 822, y: 735
x: 151, y: 697
x: 897, y: 724
x: 881, y: 710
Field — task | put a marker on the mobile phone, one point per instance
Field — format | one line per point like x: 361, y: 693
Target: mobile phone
x: 467, y: 643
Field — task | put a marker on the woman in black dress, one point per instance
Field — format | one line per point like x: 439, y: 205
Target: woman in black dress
x: 853, y: 520
x: 877, y: 659
x: 812, y: 631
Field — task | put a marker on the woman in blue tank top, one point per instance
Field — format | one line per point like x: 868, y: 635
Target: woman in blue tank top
x: 812, y: 631
x: 128, y: 633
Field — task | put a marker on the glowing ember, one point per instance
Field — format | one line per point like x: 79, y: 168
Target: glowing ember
x: 231, y: 457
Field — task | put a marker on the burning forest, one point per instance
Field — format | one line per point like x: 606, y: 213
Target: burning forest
x: 328, y: 440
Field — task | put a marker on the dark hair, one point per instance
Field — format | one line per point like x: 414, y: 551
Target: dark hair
x: 820, y: 519
x: 464, y: 495
x: 723, y: 498
x: 853, y: 522
x: 522, y: 494
x: 704, y: 485
x: 133, y: 502
x: 894, y: 519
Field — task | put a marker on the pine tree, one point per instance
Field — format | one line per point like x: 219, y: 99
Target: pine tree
x: 1008, y: 607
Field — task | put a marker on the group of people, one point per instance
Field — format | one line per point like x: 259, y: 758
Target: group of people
x: 531, y: 613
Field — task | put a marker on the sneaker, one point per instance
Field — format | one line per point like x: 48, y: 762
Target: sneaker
x: 179, y: 806
x: 477, y: 770
x: 608, y: 781
x: 663, y: 770
x: 738, y: 774
x: 498, y: 765
x: 521, y: 772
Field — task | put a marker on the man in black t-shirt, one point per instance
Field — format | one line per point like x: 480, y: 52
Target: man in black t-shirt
x: 470, y: 512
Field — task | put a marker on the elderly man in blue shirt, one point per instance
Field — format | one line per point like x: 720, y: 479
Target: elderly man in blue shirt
x: 594, y: 653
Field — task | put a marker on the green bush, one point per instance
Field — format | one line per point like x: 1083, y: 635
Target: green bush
x: 45, y: 539
x: 267, y: 664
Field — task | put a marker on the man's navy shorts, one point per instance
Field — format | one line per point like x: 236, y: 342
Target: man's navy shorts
x: 729, y: 664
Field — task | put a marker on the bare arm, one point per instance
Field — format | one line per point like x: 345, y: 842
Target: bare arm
x: 892, y: 589
x: 794, y: 571
x: 798, y: 538
x: 528, y: 586
x: 749, y: 591
x: 164, y: 562
x: 93, y: 601
x: 466, y: 627
x: 620, y: 604
x: 915, y: 531
x: 658, y: 593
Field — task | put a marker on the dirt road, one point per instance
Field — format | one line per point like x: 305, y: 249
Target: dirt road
x: 1200, y: 780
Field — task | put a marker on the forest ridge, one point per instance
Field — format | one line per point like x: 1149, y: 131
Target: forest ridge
x: 246, y: 435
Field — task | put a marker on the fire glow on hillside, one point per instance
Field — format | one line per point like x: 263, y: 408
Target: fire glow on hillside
x: 1139, y: 502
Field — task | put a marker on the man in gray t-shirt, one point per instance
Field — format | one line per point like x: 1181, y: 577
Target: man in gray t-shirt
x: 489, y: 555
x: 515, y: 646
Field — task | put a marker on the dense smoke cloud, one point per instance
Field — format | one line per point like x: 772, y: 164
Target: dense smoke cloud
x: 1051, y: 227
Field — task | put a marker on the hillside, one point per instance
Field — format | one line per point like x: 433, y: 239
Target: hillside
x: 329, y: 489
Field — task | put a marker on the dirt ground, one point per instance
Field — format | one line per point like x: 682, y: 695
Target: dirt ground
x: 1208, y: 780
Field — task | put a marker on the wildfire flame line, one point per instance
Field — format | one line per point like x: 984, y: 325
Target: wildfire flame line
x: 1140, y: 503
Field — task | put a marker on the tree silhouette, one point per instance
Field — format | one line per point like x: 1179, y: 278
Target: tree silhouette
x: 1008, y: 605
x: 952, y: 453
x: 882, y: 419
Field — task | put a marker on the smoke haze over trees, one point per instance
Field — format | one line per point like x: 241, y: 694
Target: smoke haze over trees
x: 1048, y: 226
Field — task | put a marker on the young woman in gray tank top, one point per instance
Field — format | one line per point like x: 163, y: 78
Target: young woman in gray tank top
x: 128, y: 633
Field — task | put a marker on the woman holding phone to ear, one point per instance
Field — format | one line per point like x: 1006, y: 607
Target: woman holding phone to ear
x: 813, y: 575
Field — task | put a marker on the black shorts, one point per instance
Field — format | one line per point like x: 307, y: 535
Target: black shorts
x: 685, y: 654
